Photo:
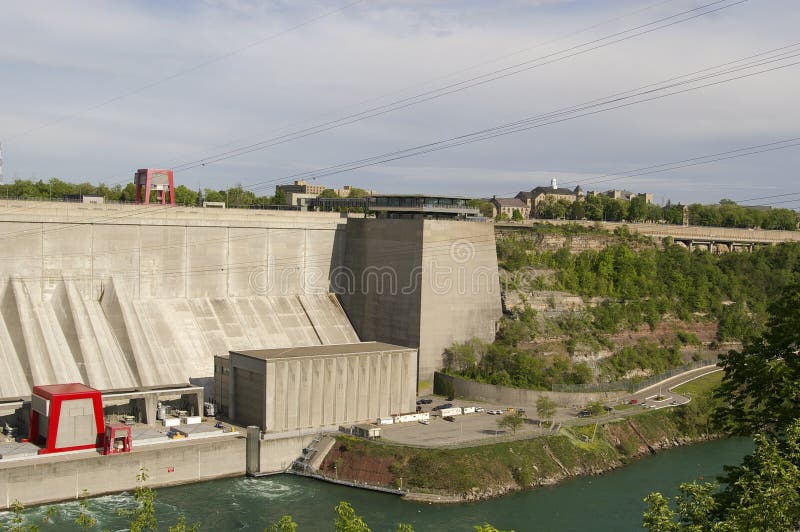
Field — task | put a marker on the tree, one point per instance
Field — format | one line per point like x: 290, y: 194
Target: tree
x: 482, y: 205
x: 356, y: 192
x: 545, y: 407
x: 185, y: 196
x: 595, y: 408
x: 280, y: 197
x: 284, y: 524
x: 142, y: 515
x: 516, y: 216
x: 329, y: 193
x: 461, y: 357
x: 760, y: 390
x: 761, y: 384
x: 18, y: 519
x: 347, y: 520
x: 84, y: 519
x: 762, y: 494
x: 512, y: 420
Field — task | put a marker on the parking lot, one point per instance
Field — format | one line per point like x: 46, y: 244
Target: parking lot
x: 464, y: 428
x: 481, y: 428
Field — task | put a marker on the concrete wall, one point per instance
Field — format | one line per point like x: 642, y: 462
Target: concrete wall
x: 420, y: 283
x: 67, y: 476
x: 308, y: 392
x: 339, y: 390
x: 278, y: 454
x: 504, y: 395
x: 124, y: 296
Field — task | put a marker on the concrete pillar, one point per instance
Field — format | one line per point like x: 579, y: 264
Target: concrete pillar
x: 253, y: 450
x: 150, y: 407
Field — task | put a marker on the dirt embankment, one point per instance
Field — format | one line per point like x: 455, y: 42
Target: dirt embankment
x: 457, y: 475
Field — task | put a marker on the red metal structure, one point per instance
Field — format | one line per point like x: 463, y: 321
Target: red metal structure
x: 66, y: 417
x: 159, y: 181
x: 118, y: 439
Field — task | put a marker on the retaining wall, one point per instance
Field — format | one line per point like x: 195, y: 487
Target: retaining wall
x: 505, y: 395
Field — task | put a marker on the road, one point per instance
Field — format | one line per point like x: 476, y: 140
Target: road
x: 481, y: 428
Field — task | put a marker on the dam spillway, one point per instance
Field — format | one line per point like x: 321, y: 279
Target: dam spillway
x: 122, y: 296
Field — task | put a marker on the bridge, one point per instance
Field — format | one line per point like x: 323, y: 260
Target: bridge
x: 714, y: 239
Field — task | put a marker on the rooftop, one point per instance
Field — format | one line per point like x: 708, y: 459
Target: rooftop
x: 320, y: 350
x: 551, y: 190
x: 510, y: 202
x: 49, y: 390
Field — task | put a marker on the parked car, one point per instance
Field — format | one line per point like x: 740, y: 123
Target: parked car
x: 424, y: 401
x: 449, y: 418
x: 584, y: 413
x: 480, y: 409
x: 633, y: 401
x: 425, y: 421
x: 442, y: 407
x: 496, y: 412
x: 607, y: 408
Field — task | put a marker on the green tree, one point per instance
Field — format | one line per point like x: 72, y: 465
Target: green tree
x: 545, y: 408
x: 84, y: 518
x: 512, y: 421
x: 142, y: 515
x: 761, y: 383
x: 329, y: 193
x: 516, y: 216
x: 356, y: 192
x: 279, y: 198
x: 595, y: 408
x: 18, y: 519
x: 486, y: 527
x: 284, y: 524
x: 347, y: 520
x: 185, y: 196
x: 482, y: 205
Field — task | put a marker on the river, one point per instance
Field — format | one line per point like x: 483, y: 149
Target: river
x: 609, y: 502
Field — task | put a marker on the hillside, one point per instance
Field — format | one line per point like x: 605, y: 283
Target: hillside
x: 583, y: 305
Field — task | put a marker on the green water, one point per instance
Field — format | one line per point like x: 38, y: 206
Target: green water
x: 608, y: 502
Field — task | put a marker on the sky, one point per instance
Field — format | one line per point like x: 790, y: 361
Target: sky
x: 93, y: 90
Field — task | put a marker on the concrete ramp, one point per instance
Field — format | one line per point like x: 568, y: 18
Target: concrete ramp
x: 49, y: 356
x: 15, y: 377
x: 328, y: 318
x: 118, y: 341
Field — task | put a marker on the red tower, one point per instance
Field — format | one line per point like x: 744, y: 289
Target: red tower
x: 159, y: 181
x: 67, y: 417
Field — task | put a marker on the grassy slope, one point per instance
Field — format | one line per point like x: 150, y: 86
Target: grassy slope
x: 495, y: 469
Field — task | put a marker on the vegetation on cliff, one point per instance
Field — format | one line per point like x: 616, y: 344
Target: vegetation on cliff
x: 759, y: 393
x: 632, y: 286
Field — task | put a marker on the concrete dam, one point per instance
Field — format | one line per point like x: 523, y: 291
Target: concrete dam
x: 124, y: 296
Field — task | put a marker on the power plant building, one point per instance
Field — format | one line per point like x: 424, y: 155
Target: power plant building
x: 322, y: 385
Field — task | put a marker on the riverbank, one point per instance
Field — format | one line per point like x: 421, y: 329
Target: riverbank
x: 476, y: 473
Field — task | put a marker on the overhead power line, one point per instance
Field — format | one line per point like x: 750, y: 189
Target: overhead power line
x: 176, y: 160
x: 183, y: 72
x: 745, y: 151
x: 561, y: 55
x: 687, y: 83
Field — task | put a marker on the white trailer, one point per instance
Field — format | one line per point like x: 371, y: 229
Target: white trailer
x: 385, y: 421
x: 413, y: 416
x: 468, y: 409
x: 455, y: 411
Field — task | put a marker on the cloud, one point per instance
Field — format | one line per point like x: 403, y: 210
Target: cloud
x: 59, y: 58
